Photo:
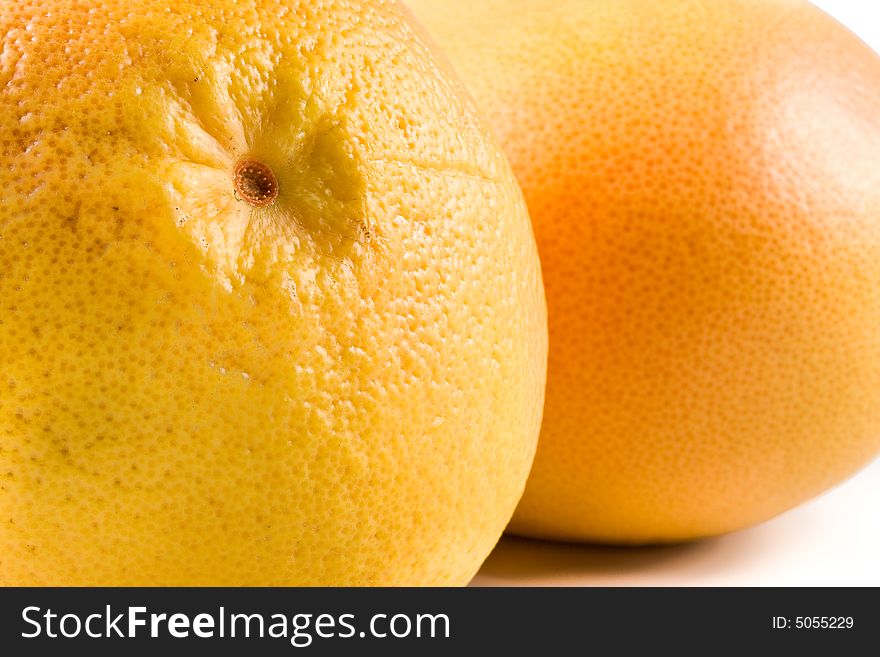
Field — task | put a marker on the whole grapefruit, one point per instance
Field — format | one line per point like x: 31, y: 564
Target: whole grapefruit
x: 704, y: 182
x: 270, y: 304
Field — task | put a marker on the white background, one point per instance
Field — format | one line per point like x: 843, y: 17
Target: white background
x: 833, y: 540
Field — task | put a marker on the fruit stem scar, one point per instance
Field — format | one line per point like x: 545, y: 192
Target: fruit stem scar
x: 255, y: 183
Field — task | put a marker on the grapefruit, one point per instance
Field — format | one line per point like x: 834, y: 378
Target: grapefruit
x: 270, y: 304
x: 704, y: 184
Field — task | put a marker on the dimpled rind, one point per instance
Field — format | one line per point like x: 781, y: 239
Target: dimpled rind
x: 704, y: 183
x: 343, y: 386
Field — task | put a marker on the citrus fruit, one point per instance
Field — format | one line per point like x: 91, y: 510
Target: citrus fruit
x: 704, y: 184
x: 270, y: 304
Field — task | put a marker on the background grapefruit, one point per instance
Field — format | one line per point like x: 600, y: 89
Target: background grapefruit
x: 704, y: 183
